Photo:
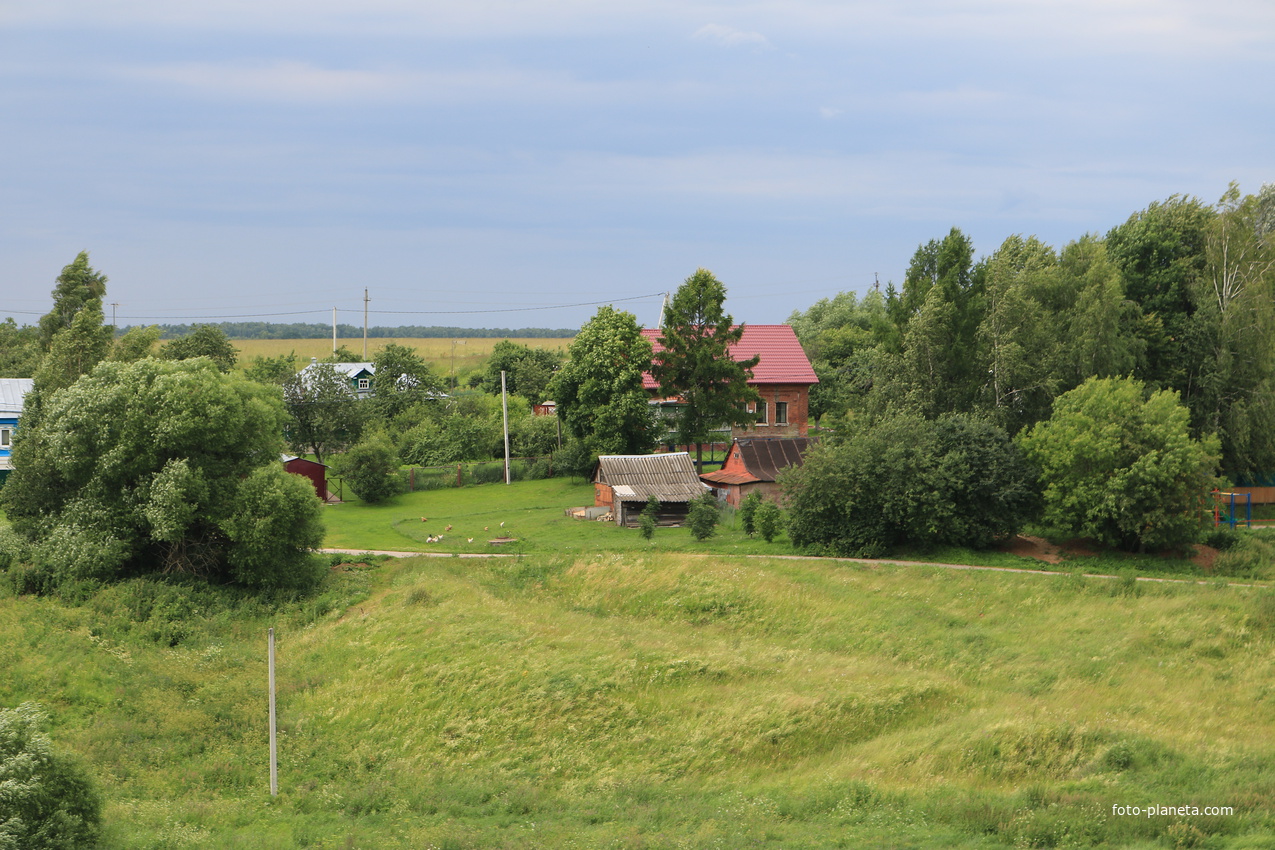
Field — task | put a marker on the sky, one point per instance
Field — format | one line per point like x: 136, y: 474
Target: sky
x: 514, y: 164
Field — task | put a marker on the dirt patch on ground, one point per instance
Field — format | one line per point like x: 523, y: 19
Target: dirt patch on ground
x: 1203, y: 557
x: 1032, y: 547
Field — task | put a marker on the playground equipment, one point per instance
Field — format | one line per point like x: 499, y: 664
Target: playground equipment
x: 1225, y: 507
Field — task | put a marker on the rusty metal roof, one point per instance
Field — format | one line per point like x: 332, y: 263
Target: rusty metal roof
x: 767, y: 457
x: 668, y: 477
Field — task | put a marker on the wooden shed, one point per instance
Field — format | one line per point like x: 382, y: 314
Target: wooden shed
x: 624, y: 483
x: 316, y: 472
x: 754, y: 463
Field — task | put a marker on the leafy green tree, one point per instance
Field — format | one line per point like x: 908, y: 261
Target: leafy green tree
x: 695, y: 364
x: 847, y: 341
x: 599, y: 391
x: 78, y: 286
x: 46, y: 799
x: 154, y: 466
x: 203, y: 341
x: 769, y: 520
x: 371, y: 468
x: 324, y: 413
x: 1101, y: 332
x: 528, y: 371
x: 136, y: 343
x: 1119, y: 465
x: 704, y: 516
x: 19, y: 349
x: 1016, y: 336
x: 272, y: 371
x: 73, y: 352
x: 402, y: 380
x: 1161, y: 255
x: 909, y: 480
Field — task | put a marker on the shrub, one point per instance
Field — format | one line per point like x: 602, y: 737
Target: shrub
x: 704, y: 516
x: 748, y: 510
x: 650, y: 513
x: 46, y: 799
x: 769, y: 520
x: 371, y: 469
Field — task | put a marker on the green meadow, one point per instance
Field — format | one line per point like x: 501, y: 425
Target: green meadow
x: 596, y: 691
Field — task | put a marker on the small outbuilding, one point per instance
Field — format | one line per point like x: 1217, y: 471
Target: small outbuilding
x: 316, y: 472
x: 624, y: 483
x: 754, y: 463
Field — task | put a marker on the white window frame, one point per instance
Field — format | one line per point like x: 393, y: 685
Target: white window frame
x: 365, y: 383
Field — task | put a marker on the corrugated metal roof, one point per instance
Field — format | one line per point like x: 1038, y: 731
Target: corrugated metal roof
x: 766, y: 458
x: 12, y: 391
x: 721, y: 476
x: 783, y: 361
x: 669, y: 477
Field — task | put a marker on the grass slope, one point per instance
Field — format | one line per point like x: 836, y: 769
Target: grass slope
x: 652, y: 700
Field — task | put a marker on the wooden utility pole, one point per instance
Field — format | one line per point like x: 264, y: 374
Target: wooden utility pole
x: 274, y: 749
x: 504, y: 407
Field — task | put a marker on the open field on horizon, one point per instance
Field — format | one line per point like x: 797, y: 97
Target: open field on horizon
x: 637, y: 700
x: 470, y: 353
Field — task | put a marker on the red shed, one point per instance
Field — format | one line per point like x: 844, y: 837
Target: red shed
x: 316, y: 472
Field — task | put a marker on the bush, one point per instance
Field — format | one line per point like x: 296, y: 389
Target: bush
x: 46, y: 799
x: 952, y: 481
x: 769, y: 520
x: 704, y: 516
x: 371, y: 469
x: 748, y: 510
x: 650, y: 513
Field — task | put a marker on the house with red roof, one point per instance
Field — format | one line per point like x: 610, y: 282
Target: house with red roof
x: 783, y: 376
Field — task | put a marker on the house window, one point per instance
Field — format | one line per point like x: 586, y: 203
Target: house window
x: 781, y: 413
x: 6, y: 437
x: 761, y: 413
x: 365, y: 383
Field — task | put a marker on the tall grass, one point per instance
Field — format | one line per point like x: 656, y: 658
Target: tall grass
x: 662, y: 699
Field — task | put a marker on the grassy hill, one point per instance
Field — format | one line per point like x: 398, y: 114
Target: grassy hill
x: 663, y: 699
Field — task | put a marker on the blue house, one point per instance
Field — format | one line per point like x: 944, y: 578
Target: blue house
x: 12, y: 392
x: 358, y: 374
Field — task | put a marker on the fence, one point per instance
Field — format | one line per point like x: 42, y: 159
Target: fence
x: 460, y: 474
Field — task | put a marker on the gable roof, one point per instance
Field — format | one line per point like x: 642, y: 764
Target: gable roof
x: 12, y: 393
x: 763, y: 458
x: 668, y: 477
x: 783, y: 361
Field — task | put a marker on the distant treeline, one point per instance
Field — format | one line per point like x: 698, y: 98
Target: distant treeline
x: 269, y: 330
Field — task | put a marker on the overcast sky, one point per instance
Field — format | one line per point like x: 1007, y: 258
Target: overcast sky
x: 471, y: 163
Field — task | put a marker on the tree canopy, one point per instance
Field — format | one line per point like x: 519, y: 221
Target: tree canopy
x: 1118, y: 464
x: 695, y: 364
x: 169, y: 467
x: 599, y: 390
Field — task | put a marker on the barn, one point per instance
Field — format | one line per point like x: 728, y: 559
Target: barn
x: 624, y: 483
x: 754, y: 463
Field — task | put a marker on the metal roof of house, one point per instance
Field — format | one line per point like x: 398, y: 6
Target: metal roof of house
x: 783, y: 361
x: 668, y: 477
x: 12, y: 392
x: 763, y: 458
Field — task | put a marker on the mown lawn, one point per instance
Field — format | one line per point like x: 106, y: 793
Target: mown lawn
x: 663, y: 700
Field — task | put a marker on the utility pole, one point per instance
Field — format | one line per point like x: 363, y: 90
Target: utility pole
x: 334, y: 330
x: 365, y: 299
x: 114, y: 304
x: 274, y: 750
x: 504, y: 407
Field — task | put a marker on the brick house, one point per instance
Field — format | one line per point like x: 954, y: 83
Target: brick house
x: 783, y: 376
x: 754, y: 464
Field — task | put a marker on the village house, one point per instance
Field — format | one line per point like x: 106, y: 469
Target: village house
x: 12, y: 393
x: 359, y: 375
x: 783, y: 377
x: 754, y: 464
x: 624, y: 483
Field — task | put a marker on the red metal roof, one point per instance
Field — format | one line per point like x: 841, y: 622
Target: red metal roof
x: 782, y: 359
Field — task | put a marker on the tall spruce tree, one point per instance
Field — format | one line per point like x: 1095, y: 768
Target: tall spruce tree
x: 695, y: 364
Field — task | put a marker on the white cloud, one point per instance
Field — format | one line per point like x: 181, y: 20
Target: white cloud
x: 829, y: 112
x: 731, y: 37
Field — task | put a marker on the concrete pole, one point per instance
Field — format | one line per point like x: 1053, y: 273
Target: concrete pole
x: 274, y: 744
x: 504, y: 407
